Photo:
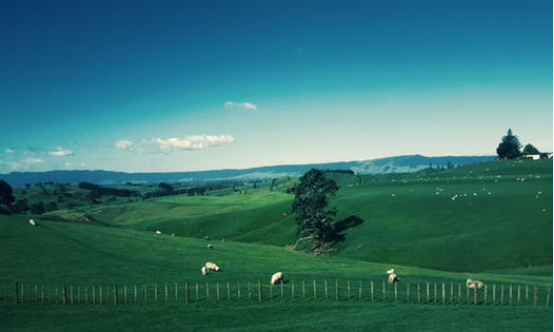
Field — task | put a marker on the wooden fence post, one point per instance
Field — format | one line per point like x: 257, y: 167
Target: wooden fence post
x: 292, y: 289
x: 217, y: 291
x: 451, y: 293
x: 315, y: 290
x: 501, y: 294
x: 187, y: 292
x: 435, y: 293
x: 511, y: 301
x: 156, y: 293
x: 166, y: 293
x: 116, y: 295
x: 548, y: 297
x: 443, y: 294
x: 196, y: 291
x: 467, y: 295
x: 518, y: 295
x: 136, y: 294
x: 176, y: 293
x: 395, y: 293
x: 93, y: 294
x: 348, y: 289
x: 371, y: 290
x: 418, y: 292
x: 207, y: 292
x: 260, y: 296
x: 337, y: 289
x: 238, y: 291
x: 475, y: 295
x: 270, y: 291
x: 427, y: 292
x: 384, y: 291
x: 526, y: 294
x: 535, y: 296
x: 360, y: 291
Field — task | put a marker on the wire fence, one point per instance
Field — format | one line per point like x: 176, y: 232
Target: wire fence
x: 312, y: 290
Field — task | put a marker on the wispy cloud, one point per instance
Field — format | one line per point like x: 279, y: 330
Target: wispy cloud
x: 123, y: 144
x: 23, y: 164
x: 240, y: 106
x: 61, y: 152
x: 75, y: 165
x: 193, y: 142
x: 8, y: 150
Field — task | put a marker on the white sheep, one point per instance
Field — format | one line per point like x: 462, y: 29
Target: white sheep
x: 211, y: 267
x: 392, y: 276
x: 209, y: 246
x: 32, y: 222
x: 277, y: 277
x: 158, y: 232
x: 470, y: 283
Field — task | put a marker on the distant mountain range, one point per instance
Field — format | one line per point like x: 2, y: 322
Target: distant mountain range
x: 398, y: 164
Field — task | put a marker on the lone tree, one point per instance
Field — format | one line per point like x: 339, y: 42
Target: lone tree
x: 530, y: 149
x: 510, y: 147
x: 6, y: 194
x: 314, y: 220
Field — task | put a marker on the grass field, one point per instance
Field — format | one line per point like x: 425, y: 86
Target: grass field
x: 500, y: 238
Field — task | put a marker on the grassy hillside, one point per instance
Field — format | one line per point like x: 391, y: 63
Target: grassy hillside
x: 55, y: 253
x: 488, y: 216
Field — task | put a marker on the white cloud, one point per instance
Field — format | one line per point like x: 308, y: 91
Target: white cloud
x: 123, y: 144
x: 244, y: 105
x: 23, y: 164
x: 193, y: 142
x: 61, y: 152
x: 69, y: 165
x: 9, y: 150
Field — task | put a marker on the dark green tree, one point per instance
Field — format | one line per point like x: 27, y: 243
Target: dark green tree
x: 165, y: 186
x: 6, y: 194
x: 51, y: 206
x: 315, y: 221
x: 21, y: 206
x: 530, y: 149
x: 509, y: 147
x: 38, y: 208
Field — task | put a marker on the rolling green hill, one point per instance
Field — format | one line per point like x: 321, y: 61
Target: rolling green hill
x: 488, y: 216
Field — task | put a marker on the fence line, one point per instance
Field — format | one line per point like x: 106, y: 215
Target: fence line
x: 315, y: 290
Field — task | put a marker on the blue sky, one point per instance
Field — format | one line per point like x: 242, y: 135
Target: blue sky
x: 193, y: 85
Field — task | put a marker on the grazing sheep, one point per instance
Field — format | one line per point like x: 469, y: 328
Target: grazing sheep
x: 204, y: 270
x: 211, y: 267
x: 32, y: 222
x: 158, y: 232
x: 210, y: 246
x: 277, y: 277
x: 470, y: 283
x: 392, y: 277
x: 207, y: 238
